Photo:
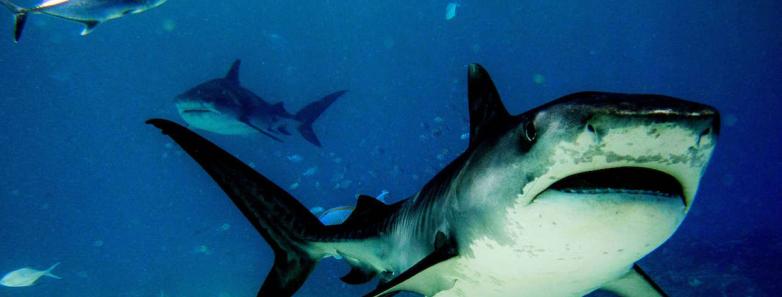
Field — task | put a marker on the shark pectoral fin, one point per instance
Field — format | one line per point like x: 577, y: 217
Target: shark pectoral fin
x: 88, y: 27
x: 485, y: 104
x: 283, y: 130
x: 261, y: 130
x: 358, y: 276
x: 425, y: 277
x: 636, y: 283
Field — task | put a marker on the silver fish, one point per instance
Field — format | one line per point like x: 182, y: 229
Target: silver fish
x: 26, y: 277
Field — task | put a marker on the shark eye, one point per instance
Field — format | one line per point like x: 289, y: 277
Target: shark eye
x: 528, y: 136
x: 529, y: 132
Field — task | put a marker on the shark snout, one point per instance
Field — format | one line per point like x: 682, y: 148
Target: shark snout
x: 656, y: 114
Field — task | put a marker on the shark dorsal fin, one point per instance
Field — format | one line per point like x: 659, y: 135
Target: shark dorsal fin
x: 368, y: 209
x: 233, y: 73
x: 486, y: 108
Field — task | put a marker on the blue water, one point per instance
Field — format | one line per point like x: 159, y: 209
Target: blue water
x: 84, y: 182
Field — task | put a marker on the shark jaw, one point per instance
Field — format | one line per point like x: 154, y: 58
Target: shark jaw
x: 204, y: 115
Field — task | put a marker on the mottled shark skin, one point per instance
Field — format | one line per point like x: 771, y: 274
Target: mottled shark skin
x: 224, y: 106
x: 91, y: 13
x: 561, y: 200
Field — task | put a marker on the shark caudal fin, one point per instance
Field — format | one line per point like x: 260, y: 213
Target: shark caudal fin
x: 282, y: 221
x: 20, y: 17
x: 311, y: 112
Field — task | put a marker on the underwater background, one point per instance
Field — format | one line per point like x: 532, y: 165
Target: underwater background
x: 85, y: 182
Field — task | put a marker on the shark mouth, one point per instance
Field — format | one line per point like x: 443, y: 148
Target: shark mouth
x: 198, y: 110
x: 623, y: 180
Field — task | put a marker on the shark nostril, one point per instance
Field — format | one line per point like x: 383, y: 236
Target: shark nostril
x: 590, y: 128
x: 703, y: 134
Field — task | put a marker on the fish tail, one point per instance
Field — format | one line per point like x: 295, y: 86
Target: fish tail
x: 311, y: 112
x: 49, y: 273
x: 288, y: 226
x: 20, y: 17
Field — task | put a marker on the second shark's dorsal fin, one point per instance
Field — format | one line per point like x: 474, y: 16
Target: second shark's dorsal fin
x: 486, y: 108
x: 368, y: 209
x: 233, y: 73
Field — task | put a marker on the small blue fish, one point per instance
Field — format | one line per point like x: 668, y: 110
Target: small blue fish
x: 295, y: 158
x: 382, y: 196
x: 91, y: 13
x: 450, y: 10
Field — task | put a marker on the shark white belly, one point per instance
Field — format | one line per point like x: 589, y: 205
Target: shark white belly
x: 562, y: 247
x: 215, y: 121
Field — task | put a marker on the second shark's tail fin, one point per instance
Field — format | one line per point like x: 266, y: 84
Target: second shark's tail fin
x: 49, y: 273
x: 20, y: 17
x: 284, y: 222
x: 20, y: 13
x: 311, y: 112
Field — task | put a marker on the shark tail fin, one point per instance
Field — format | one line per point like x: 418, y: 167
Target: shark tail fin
x: 49, y: 273
x: 20, y: 17
x: 311, y: 112
x: 284, y: 223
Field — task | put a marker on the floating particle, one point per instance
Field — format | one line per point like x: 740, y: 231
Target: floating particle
x: 295, y: 158
x: 310, y: 171
x: 538, y: 79
x: 731, y: 120
x: 169, y: 25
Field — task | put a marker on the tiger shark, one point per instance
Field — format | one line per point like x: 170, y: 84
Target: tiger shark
x: 561, y: 200
x: 90, y: 13
x: 224, y: 106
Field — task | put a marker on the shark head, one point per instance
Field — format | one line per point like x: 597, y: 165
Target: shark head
x: 219, y: 105
x: 214, y: 106
x: 588, y: 180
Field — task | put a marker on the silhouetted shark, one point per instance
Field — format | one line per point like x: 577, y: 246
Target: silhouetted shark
x: 558, y: 201
x: 223, y: 106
